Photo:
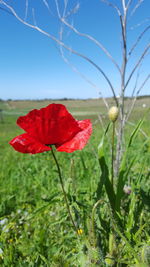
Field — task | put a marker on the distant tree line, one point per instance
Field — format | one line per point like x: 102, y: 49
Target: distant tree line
x: 65, y: 99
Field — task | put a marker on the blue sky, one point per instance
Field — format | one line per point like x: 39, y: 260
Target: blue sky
x: 31, y: 66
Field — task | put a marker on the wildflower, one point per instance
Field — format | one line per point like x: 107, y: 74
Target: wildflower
x: 80, y: 231
x: 113, y: 113
x: 52, y: 125
x: 3, y: 221
x: 127, y: 189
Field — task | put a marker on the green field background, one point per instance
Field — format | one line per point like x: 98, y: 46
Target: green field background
x: 37, y: 230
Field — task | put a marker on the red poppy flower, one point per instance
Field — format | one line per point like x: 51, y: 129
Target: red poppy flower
x: 52, y: 125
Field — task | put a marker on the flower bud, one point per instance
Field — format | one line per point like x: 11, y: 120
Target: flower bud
x: 113, y: 113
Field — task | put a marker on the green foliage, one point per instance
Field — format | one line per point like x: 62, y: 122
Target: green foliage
x: 104, y: 178
x: 34, y: 223
x: 124, y: 170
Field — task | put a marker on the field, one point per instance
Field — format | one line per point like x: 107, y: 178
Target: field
x: 34, y: 223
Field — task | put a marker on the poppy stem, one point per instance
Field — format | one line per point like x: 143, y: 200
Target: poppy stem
x: 63, y: 189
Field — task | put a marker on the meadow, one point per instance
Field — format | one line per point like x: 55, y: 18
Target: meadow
x: 34, y: 223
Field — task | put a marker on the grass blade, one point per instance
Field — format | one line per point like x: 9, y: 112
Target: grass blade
x: 104, y: 178
x: 124, y: 171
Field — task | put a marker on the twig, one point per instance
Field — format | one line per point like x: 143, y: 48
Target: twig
x: 135, y: 98
x: 136, y: 7
x: 136, y: 65
x: 33, y: 15
x: 26, y: 9
x: 129, y: 3
x: 93, y: 40
x: 138, y: 40
x: 112, y: 5
x: 71, y: 65
x: 140, y: 23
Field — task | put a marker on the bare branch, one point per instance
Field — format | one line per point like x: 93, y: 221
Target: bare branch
x: 47, y: 6
x: 143, y: 84
x: 135, y: 86
x: 62, y: 19
x: 26, y: 10
x: 69, y: 13
x: 137, y: 94
x: 136, y: 81
x: 83, y: 77
x: 124, y: 62
x: 57, y: 8
x: 138, y: 40
x: 73, y: 10
x: 52, y: 37
x: 136, y: 7
x: 33, y: 15
x: 112, y: 5
x: 124, y: 5
x: 128, y: 4
x: 137, y: 64
x: 93, y: 40
x: 5, y: 10
x: 140, y: 23
x: 71, y: 65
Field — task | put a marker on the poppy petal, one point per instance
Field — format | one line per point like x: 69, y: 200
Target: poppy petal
x: 79, y: 140
x: 50, y: 125
x: 24, y: 143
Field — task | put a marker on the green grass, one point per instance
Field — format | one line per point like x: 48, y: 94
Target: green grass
x: 34, y: 224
